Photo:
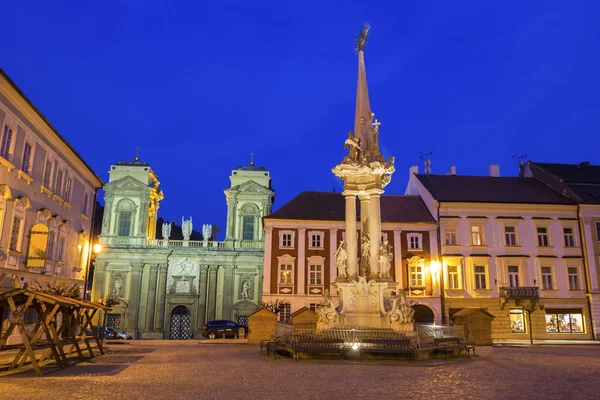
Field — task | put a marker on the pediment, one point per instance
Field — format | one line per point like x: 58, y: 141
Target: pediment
x: 250, y: 187
x: 125, y: 183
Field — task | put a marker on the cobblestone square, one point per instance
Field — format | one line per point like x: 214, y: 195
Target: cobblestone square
x: 188, y: 370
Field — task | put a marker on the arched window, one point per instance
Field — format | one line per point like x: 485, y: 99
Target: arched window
x: 249, y: 215
x: 4, y: 196
x: 18, y: 222
x: 125, y: 217
x: 38, y: 242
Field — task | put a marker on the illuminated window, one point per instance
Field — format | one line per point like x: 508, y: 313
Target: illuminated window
x: 564, y: 321
x: 286, y: 276
x: 476, y: 235
x: 513, y: 276
x: 416, y: 275
x: 38, y: 246
x: 517, y: 321
x: 453, y: 277
x: 316, y: 275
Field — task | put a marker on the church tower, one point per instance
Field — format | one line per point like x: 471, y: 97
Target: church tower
x: 131, y: 204
x: 249, y: 198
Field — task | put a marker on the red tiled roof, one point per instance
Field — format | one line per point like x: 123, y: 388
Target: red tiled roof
x: 488, y: 189
x: 329, y: 206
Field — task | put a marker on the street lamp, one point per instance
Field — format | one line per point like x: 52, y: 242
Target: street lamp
x: 97, y: 248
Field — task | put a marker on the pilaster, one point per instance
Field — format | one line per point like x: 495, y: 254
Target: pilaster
x: 219, y: 292
x: 266, y: 281
x: 211, y: 292
x: 152, y: 280
x: 589, y: 253
x: 159, y: 319
x: 203, y: 284
x: 300, y: 287
x: 398, y: 261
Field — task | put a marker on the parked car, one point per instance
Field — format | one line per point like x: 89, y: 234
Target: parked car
x: 122, y: 335
x: 102, y: 332
x: 222, y: 328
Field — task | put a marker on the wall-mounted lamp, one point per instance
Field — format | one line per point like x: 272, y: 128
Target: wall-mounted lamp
x: 97, y: 248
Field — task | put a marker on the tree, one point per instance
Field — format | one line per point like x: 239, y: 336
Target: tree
x: 56, y: 286
x: 275, y: 306
x: 530, y: 307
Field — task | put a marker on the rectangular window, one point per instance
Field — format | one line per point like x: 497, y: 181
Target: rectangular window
x: 450, y: 235
x: 60, y: 249
x: 453, y: 278
x: 285, y: 274
x: 542, y: 236
x: 86, y: 199
x: 124, y: 223
x: 248, y: 231
x: 50, y: 247
x: 414, y: 241
x: 569, y: 237
x: 286, y: 240
x: 316, y: 275
x: 26, y: 163
x: 285, y: 315
x: 15, y: 233
x: 47, y: 173
x: 510, y: 235
x: 416, y: 275
x: 480, y: 281
x: 68, y: 186
x: 6, y: 141
x: 476, y: 235
x: 513, y: 276
x: 315, y: 241
x: 517, y: 321
x: 564, y: 322
x: 573, y: 278
x: 547, y: 283
x: 59, y: 182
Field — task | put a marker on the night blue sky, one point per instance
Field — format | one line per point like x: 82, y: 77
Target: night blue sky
x: 200, y: 85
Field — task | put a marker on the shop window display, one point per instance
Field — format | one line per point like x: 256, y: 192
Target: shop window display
x: 564, y: 323
x: 517, y: 322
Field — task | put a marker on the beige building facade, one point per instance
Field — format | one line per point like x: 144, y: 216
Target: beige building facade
x: 47, y: 197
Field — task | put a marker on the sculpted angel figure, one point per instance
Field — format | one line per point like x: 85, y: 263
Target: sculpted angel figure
x: 166, y: 230
x: 206, y: 231
x: 364, y: 255
x: 326, y: 310
x: 341, y: 258
x: 352, y: 144
x: 186, y: 228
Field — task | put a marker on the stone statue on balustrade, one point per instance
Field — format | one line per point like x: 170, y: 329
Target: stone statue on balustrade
x: 186, y: 228
x: 326, y: 310
x: 385, y: 259
x: 341, y: 259
x: 166, y: 230
x: 402, y: 312
x: 206, y: 231
x: 364, y: 255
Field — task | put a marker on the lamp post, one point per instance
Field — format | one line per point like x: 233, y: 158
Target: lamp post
x: 95, y: 250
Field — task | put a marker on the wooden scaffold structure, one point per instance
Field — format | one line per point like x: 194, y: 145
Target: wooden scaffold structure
x: 50, y: 333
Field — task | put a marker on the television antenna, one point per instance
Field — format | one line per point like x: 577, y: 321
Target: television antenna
x: 520, y: 157
x: 427, y: 160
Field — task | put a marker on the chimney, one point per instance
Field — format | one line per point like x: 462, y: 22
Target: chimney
x: 495, y: 170
x: 452, y: 170
x: 413, y: 170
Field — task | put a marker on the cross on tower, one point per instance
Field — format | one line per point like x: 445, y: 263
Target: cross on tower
x: 376, y: 125
x: 251, y: 159
x: 215, y: 230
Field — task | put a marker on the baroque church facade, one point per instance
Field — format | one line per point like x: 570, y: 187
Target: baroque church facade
x: 168, y: 289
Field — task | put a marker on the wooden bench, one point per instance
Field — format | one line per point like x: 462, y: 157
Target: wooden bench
x: 280, y: 344
x: 318, y: 345
x: 387, y: 346
x: 264, y: 342
x: 450, y: 345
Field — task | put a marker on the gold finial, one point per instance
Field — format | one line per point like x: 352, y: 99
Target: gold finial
x: 137, y: 154
x: 361, y: 40
x: 251, y: 159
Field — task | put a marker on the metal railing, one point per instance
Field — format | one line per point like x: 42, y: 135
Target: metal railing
x: 520, y: 292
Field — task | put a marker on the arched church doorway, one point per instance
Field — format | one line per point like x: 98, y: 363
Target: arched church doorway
x: 180, y: 323
x: 241, y: 310
x: 423, y: 314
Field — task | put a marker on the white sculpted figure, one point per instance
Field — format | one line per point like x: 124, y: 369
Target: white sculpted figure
x: 166, y: 230
x: 206, y: 231
x: 117, y: 288
x: 186, y: 228
x: 245, y: 290
x: 341, y: 258
x: 326, y: 311
x: 385, y: 259
x: 364, y: 255
x: 401, y: 311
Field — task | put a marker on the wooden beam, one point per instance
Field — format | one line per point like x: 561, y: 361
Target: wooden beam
x: 24, y: 337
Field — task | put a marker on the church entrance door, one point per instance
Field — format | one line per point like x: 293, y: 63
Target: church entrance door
x: 180, y: 324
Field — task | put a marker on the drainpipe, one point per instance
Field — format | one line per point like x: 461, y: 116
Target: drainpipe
x: 586, y: 266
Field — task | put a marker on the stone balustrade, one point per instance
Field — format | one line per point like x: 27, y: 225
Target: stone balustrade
x: 209, y: 245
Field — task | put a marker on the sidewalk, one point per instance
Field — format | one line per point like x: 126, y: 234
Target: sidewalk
x: 510, y: 342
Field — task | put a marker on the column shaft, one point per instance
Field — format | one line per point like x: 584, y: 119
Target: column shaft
x: 351, y: 245
x: 211, y: 293
x: 151, y: 298
x: 159, y: 319
x: 374, y: 233
x: 202, y: 297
